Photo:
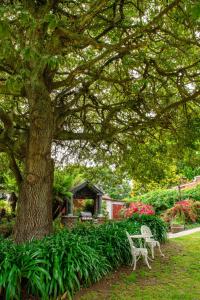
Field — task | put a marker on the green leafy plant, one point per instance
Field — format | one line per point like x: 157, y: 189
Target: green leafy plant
x: 6, y: 228
x: 9, y: 183
x: 64, y: 262
x: 196, y: 208
x: 5, y: 205
x: 185, y: 211
x: 156, y: 224
x: 62, y: 183
x: 165, y: 199
x: 178, y: 220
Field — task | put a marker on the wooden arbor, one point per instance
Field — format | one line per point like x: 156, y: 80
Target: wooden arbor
x: 86, y: 190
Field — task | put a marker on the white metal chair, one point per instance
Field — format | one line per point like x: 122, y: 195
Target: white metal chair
x: 149, y: 240
x: 137, y: 253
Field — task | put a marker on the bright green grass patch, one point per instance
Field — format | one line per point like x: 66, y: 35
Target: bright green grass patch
x: 175, y: 277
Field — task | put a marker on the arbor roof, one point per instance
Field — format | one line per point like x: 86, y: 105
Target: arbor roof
x: 86, y: 189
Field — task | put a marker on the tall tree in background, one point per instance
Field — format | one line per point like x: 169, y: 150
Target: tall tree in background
x: 113, y: 181
x: 92, y: 73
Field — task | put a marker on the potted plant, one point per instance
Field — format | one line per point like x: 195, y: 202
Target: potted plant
x: 177, y: 224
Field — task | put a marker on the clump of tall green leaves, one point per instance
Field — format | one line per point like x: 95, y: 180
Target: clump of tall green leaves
x: 50, y: 267
x: 109, y: 240
x: 64, y: 262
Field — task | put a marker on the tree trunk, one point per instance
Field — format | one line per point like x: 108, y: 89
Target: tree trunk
x: 34, y: 209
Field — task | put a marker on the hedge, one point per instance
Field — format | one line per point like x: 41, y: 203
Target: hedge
x: 164, y: 199
x: 64, y: 262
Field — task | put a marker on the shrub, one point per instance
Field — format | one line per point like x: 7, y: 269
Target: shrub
x: 50, y: 267
x: 6, y: 219
x: 196, y: 208
x: 6, y: 228
x: 159, y: 199
x: 193, y: 194
x: 61, y: 263
x: 109, y: 240
x: 5, y: 205
x: 156, y: 224
x: 186, y: 210
x: 139, y: 208
x: 164, y: 199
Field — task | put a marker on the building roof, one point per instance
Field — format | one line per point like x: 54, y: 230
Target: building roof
x: 88, y: 187
x: 106, y: 197
x: 86, y: 184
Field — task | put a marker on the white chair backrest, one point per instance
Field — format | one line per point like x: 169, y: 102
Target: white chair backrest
x: 146, y: 231
x: 130, y: 240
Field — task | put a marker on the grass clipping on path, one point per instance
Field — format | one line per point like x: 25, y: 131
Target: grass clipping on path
x: 174, y: 277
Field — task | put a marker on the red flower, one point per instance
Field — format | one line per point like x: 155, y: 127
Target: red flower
x: 140, y: 208
x: 187, y: 209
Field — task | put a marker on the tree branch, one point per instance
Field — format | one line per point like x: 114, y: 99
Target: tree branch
x: 15, y: 169
x: 95, y: 8
x: 4, y: 90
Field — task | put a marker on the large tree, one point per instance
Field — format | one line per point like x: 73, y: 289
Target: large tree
x: 89, y: 73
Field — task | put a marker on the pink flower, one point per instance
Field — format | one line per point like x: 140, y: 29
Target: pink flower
x: 140, y: 208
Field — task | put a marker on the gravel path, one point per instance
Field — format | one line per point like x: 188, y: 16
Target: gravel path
x: 182, y: 233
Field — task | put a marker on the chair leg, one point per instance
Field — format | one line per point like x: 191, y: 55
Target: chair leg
x: 158, y: 244
x: 149, y: 258
x: 146, y: 261
x: 135, y: 262
x: 152, y: 250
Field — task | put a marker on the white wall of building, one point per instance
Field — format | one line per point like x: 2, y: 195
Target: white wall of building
x: 109, y: 207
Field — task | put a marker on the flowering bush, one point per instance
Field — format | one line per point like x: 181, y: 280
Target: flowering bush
x: 164, y: 199
x: 139, y: 208
x: 196, y: 207
x: 187, y: 210
x: 185, y: 203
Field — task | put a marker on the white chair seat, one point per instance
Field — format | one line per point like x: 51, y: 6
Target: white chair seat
x: 149, y: 241
x: 137, y: 253
x: 141, y: 250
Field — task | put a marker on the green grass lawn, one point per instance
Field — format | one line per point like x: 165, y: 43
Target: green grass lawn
x: 174, y: 277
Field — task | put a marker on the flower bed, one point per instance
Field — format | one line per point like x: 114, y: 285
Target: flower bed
x: 187, y: 211
x: 138, y: 208
x: 64, y: 262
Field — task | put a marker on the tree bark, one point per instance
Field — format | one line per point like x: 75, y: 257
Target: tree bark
x: 34, y: 210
